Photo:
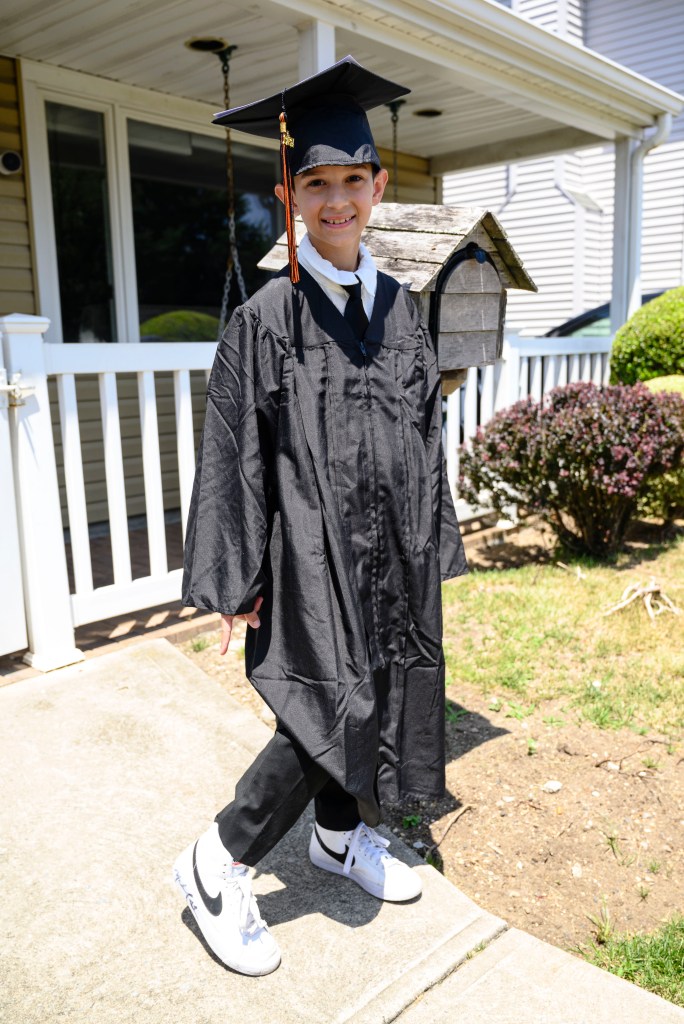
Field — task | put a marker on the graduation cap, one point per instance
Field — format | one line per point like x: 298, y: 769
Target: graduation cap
x: 321, y: 121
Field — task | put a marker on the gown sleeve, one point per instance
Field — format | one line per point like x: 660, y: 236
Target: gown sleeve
x: 227, y: 524
x: 451, y: 554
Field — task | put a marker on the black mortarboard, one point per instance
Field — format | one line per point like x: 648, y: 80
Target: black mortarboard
x: 326, y: 115
x: 321, y: 120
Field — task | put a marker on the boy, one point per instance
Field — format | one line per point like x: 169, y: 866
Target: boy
x: 322, y: 515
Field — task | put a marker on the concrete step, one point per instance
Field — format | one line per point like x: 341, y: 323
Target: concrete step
x: 519, y: 979
x: 111, y: 767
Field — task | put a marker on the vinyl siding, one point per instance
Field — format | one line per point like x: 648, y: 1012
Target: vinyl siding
x: 543, y: 219
x: 416, y: 185
x: 576, y: 273
x: 562, y: 16
x: 17, y: 293
x: 647, y: 37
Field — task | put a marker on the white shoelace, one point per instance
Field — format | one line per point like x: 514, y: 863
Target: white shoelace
x: 366, y: 839
x: 248, y: 908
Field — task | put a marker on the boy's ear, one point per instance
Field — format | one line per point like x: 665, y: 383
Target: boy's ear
x: 280, y: 192
x: 379, y: 185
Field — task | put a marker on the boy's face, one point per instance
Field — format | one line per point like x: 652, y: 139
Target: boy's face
x: 335, y: 204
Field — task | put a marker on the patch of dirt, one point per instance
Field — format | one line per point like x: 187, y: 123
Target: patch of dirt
x: 544, y: 861
x: 609, y: 839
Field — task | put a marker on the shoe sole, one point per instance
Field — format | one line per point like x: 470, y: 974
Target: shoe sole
x: 189, y: 896
x: 374, y: 890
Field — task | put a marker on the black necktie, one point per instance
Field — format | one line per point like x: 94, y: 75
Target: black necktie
x: 354, y: 313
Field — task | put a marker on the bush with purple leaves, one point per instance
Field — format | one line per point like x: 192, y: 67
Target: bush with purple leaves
x: 579, y: 459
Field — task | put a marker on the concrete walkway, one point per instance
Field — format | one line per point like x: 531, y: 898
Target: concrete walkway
x: 110, y: 768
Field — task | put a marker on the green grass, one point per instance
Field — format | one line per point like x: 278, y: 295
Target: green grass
x: 537, y: 633
x: 654, y: 962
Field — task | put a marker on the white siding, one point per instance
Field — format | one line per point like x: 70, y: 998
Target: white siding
x: 486, y: 188
x: 647, y: 37
x: 562, y: 16
x: 662, y: 252
x: 598, y: 171
x: 563, y: 230
x: 538, y: 205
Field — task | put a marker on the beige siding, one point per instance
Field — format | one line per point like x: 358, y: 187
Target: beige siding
x: 416, y: 185
x: 16, y: 272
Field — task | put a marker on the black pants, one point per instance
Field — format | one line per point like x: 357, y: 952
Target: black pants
x: 273, y: 793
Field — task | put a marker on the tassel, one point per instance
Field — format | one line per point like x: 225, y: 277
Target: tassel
x: 286, y: 141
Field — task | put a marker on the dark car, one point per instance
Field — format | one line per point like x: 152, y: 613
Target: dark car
x: 595, y: 323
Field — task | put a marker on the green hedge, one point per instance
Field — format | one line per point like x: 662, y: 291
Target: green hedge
x: 651, y: 343
x: 673, y: 383
x: 663, y: 497
x: 181, y: 325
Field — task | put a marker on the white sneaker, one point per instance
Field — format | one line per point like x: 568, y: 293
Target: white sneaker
x: 362, y: 854
x: 219, y: 893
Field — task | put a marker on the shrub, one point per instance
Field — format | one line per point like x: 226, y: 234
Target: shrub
x: 579, y: 459
x: 181, y: 325
x: 651, y: 343
x: 663, y: 497
x: 673, y: 383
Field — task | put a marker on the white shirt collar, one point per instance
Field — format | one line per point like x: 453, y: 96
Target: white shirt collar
x: 366, y: 273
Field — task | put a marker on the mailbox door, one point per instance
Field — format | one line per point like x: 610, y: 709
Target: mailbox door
x: 469, y: 305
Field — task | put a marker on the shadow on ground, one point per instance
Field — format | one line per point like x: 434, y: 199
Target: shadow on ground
x: 467, y: 730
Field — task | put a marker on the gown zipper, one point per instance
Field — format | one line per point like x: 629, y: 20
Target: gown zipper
x: 375, y: 559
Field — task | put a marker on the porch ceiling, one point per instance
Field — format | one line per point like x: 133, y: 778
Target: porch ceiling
x: 506, y: 87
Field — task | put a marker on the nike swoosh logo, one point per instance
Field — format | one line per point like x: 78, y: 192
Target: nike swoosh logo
x: 214, y: 904
x: 340, y: 857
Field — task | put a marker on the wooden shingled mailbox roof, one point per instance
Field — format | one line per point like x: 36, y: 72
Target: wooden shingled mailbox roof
x: 412, y: 242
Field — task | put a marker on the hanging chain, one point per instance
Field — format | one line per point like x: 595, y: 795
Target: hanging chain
x: 233, y: 262
x: 394, y: 107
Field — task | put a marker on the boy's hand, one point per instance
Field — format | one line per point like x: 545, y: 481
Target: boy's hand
x: 251, y: 618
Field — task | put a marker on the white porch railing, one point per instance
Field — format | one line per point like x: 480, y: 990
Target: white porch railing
x: 65, y: 363
x: 529, y: 366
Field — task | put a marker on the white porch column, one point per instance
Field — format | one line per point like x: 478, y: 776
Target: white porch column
x: 636, y: 218
x: 46, y: 583
x: 316, y: 47
x: 621, y: 234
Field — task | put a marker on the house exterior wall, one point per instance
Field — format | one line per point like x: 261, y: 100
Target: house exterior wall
x: 17, y: 293
x: 575, y: 273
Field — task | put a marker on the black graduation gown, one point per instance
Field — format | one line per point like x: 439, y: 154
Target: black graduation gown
x: 321, y: 485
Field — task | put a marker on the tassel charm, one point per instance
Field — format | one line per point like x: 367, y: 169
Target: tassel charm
x: 287, y: 142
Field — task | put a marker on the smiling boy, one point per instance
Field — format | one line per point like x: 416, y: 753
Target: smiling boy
x: 335, y: 203
x: 321, y: 514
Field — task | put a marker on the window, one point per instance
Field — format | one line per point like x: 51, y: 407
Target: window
x: 180, y: 226
x: 80, y: 199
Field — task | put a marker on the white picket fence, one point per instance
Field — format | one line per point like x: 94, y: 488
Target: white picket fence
x: 529, y: 366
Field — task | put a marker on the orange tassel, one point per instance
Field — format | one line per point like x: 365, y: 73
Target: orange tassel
x: 286, y: 141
